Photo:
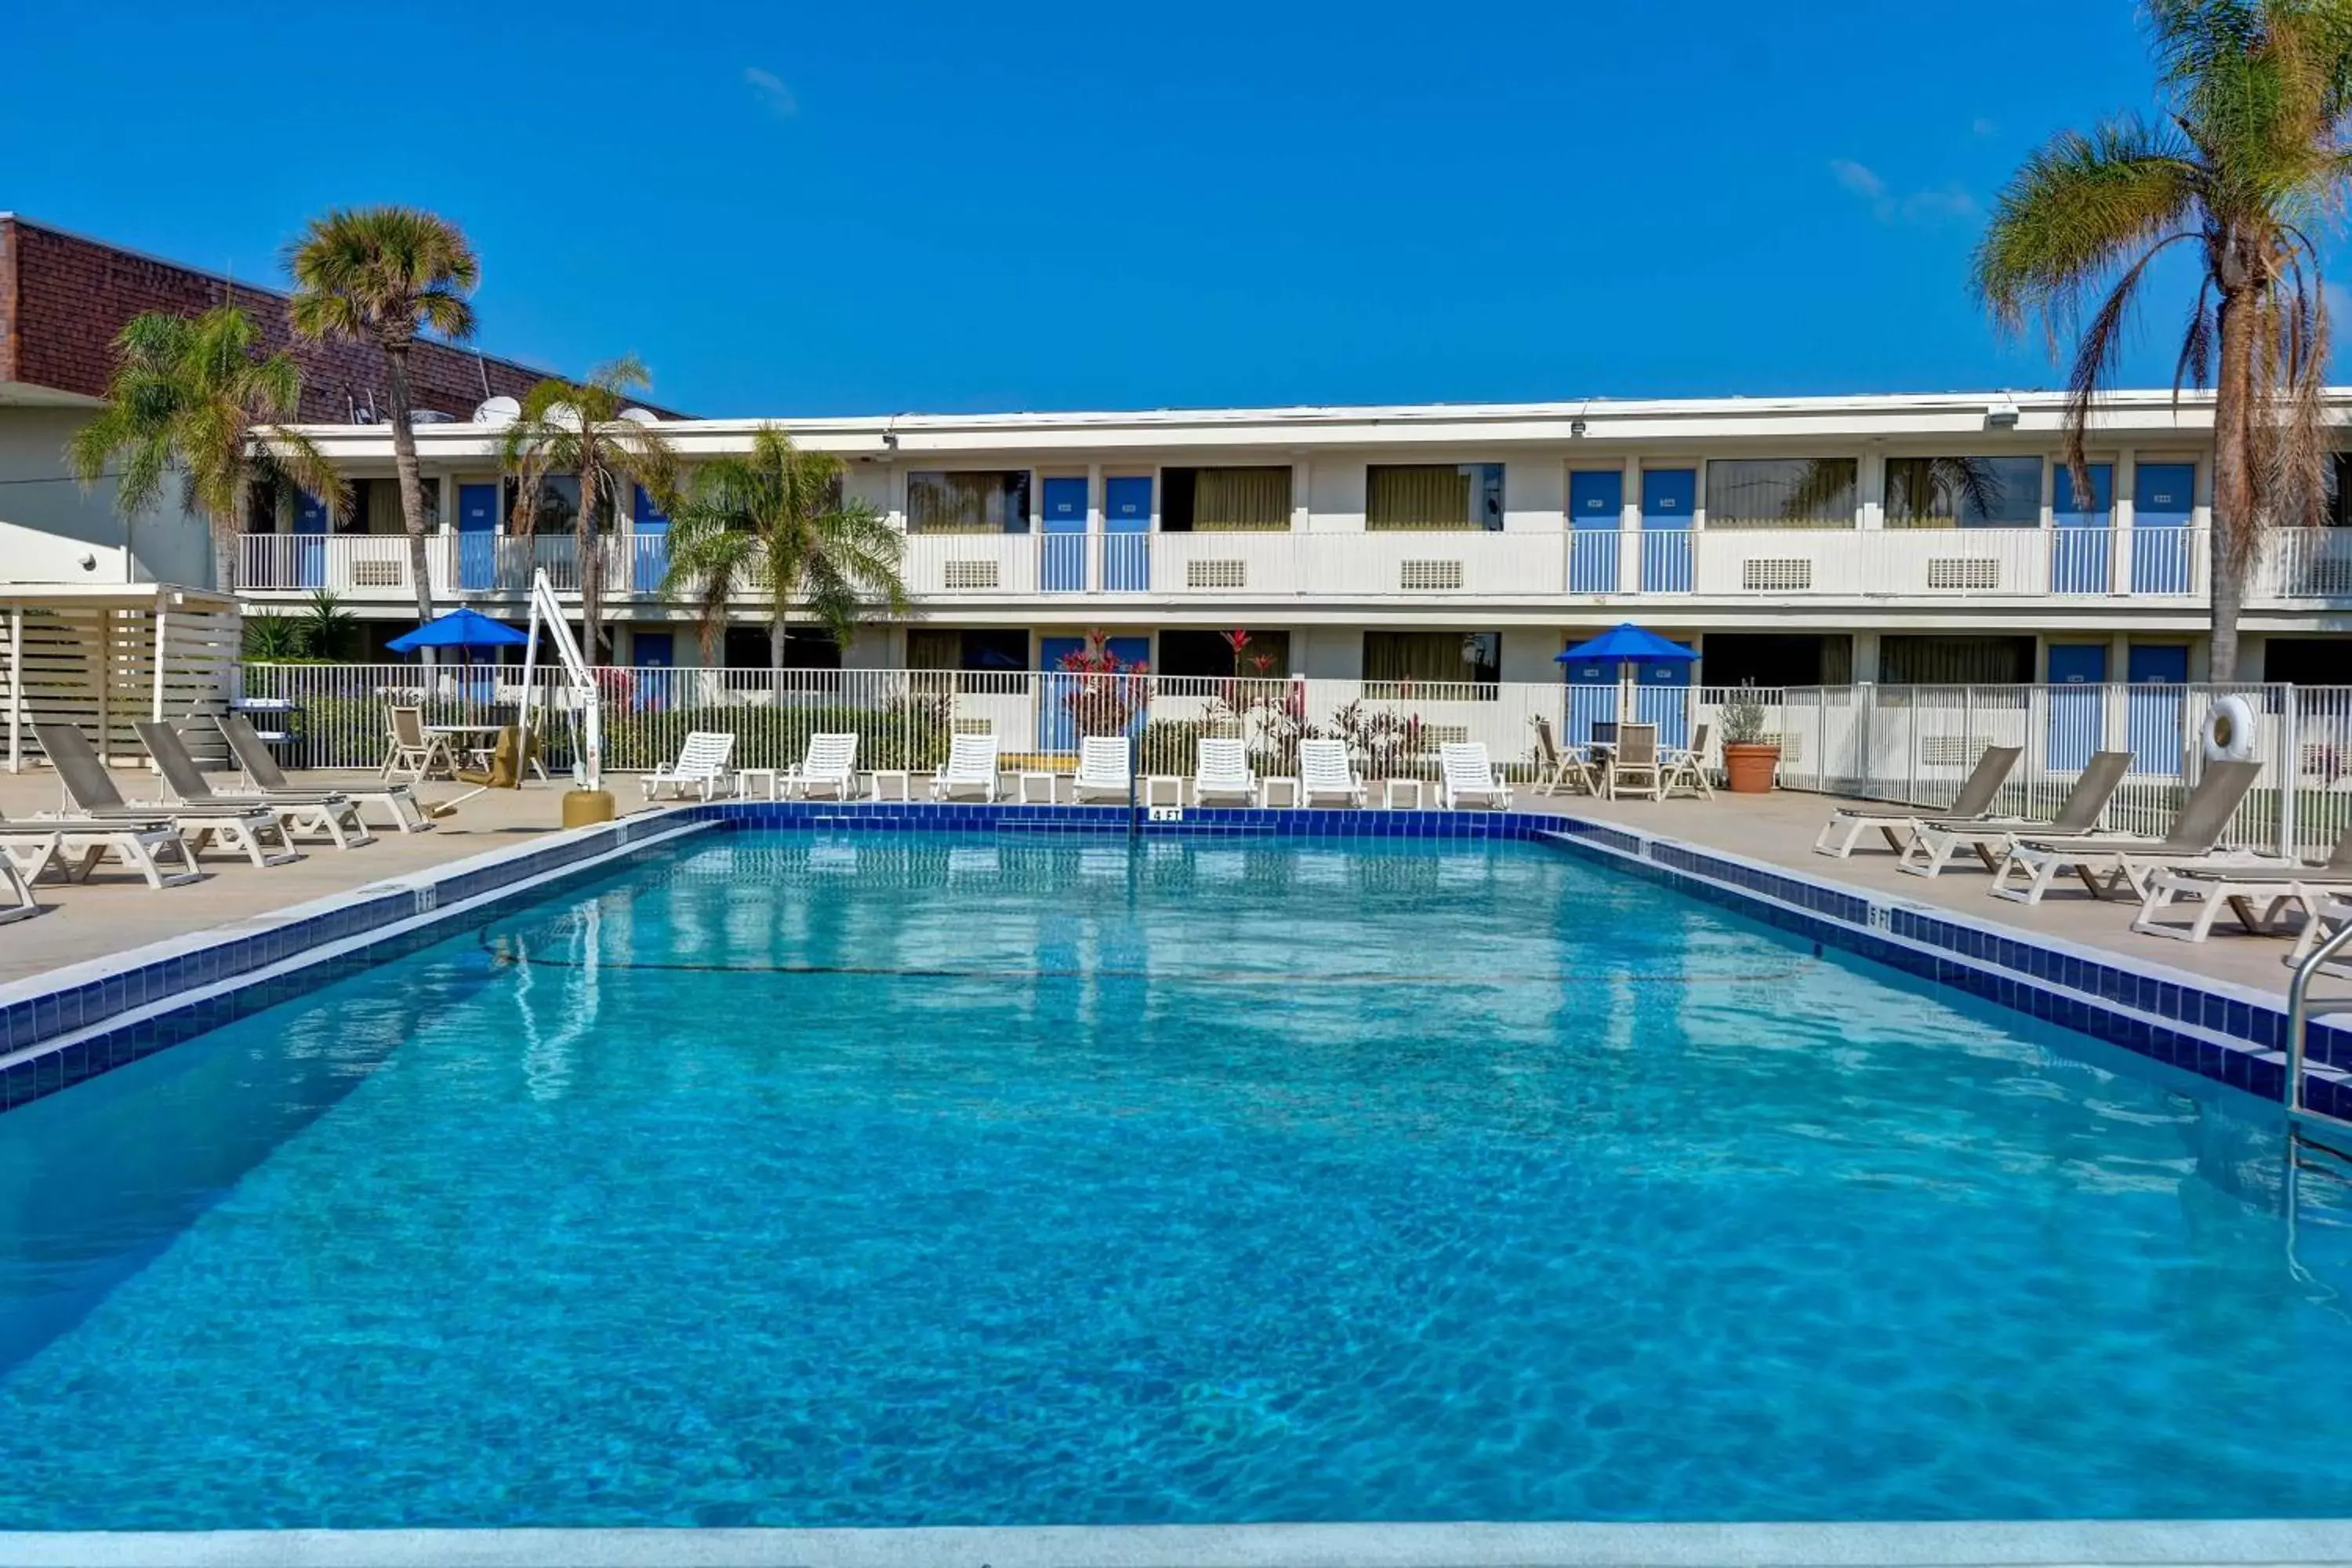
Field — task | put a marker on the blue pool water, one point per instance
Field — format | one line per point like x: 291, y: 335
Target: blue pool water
x: 936, y: 1180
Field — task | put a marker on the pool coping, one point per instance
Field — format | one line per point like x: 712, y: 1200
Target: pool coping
x: 1972, y: 1544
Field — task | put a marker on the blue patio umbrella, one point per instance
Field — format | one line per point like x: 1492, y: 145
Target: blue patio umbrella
x: 459, y: 629
x: 1626, y: 642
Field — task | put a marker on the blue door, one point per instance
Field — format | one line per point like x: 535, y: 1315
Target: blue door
x: 2078, y: 549
x: 648, y: 544
x: 1592, y: 699
x: 653, y: 653
x: 1065, y: 696
x: 311, y: 551
x: 2158, y: 672
x: 1662, y: 697
x: 2078, y: 719
x: 477, y: 537
x: 1126, y: 533
x: 2164, y: 502
x: 1062, y: 569
x: 1596, y: 506
x: 1669, y: 499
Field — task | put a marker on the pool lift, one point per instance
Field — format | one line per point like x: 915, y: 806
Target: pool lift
x: 584, y: 715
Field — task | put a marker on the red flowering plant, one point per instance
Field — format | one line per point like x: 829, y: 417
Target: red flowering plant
x: 1108, y: 693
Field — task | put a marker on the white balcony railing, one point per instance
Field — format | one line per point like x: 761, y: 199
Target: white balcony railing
x: 1603, y: 565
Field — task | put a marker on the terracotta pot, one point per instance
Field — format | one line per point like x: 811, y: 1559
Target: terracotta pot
x: 1748, y: 767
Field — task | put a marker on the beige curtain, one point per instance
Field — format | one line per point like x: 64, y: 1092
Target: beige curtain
x: 1414, y: 655
x: 1416, y: 497
x: 1241, y: 501
x: 929, y: 648
x: 955, y: 503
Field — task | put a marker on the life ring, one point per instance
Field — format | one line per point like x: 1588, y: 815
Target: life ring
x: 2230, y: 730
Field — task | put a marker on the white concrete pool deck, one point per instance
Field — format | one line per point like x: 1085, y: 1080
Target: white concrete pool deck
x: 2128, y: 1544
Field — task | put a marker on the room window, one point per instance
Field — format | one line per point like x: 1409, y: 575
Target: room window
x: 559, y: 505
x: 1225, y: 501
x: 1266, y: 655
x: 1964, y: 492
x: 1781, y: 493
x: 989, y: 501
x: 1955, y: 661
x: 804, y: 649
x: 975, y: 649
x: 1432, y: 658
x: 1433, y: 495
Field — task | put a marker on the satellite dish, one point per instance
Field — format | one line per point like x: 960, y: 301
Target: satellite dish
x: 640, y: 415
x: 562, y: 413
x: 497, y: 411
x: 430, y: 417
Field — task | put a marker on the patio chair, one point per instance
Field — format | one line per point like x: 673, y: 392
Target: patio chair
x: 262, y: 772
x: 972, y: 770
x: 1934, y: 839
x: 1634, y: 764
x: 303, y: 813
x: 2132, y: 862
x: 1104, y: 772
x: 701, y: 764
x: 2329, y: 915
x: 830, y: 764
x: 416, y: 751
x: 1221, y: 772
x: 1684, y: 767
x: 1325, y: 772
x: 1558, y: 767
x: 2279, y: 885
x: 1466, y: 777
x: 1849, y: 822
x: 253, y: 830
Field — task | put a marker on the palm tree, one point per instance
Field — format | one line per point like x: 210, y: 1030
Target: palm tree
x: 2250, y: 149
x: 575, y: 428
x: 195, y: 394
x: 384, y: 274
x: 774, y: 521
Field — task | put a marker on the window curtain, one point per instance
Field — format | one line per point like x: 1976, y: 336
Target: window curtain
x: 1416, y: 498
x: 1964, y: 492
x: 929, y: 648
x: 1956, y: 661
x: 1242, y: 501
x: 1416, y: 655
x: 964, y: 503
x: 1781, y: 493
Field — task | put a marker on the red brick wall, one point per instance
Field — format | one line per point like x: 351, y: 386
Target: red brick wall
x: 63, y: 299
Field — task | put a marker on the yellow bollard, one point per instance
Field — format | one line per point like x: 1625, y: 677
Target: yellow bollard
x: 583, y: 807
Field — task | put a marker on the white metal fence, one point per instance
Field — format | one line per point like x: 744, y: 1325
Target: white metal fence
x: 1911, y: 744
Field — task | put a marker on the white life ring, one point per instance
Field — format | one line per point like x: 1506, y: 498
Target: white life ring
x: 2230, y: 730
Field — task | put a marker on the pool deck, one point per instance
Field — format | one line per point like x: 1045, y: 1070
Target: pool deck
x: 116, y: 910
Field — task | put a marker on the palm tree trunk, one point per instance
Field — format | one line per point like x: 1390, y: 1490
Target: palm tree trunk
x: 592, y: 566
x: 2234, y: 523
x: 412, y: 481
x: 225, y: 549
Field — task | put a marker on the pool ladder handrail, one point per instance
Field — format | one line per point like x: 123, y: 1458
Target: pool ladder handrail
x: 2298, y: 1020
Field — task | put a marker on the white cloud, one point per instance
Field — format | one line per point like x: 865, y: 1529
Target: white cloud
x: 1924, y: 208
x: 771, y: 91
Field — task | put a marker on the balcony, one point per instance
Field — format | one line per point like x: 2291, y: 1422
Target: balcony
x: 366, y: 567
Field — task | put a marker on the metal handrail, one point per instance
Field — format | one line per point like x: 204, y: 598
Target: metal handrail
x: 2299, y: 1009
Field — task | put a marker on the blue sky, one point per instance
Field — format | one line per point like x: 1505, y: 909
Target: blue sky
x: 798, y: 209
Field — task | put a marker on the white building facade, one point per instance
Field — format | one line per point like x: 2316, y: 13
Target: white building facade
x: 1792, y: 541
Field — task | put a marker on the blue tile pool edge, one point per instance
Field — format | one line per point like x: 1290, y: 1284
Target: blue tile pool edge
x: 74, y: 1023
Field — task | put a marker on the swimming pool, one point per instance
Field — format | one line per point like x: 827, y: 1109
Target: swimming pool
x: 903, y: 1179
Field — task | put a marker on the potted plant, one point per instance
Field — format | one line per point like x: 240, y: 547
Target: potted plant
x: 1749, y: 761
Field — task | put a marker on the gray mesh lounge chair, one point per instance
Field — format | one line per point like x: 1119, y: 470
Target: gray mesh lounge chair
x: 1558, y: 768
x: 73, y: 847
x: 2280, y: 884
x: 269, y: 781
x: 253, y: 830
x: 2131, y: 862
x: 1978, y: 791
x: 1933, y: 842
x: 329, y: 816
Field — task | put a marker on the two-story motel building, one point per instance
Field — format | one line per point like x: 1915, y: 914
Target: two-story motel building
x: 1794, y: 541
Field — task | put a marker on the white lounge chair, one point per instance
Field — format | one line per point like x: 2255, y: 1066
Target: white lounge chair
x: 2329, y: 914
x: 1934, y: 839
x: 1684, y: 767
x: 830, y: 766
x: 73, y: 847
x: 1325, y: 773
x: 267, y: 778
x: 1634, y: 764
x: 2278, y: 885
x: 15, y: 896
x: 1104, y: 773
x: 1849, y: 822
x: 701, y: 765
x: 1467, y: 777
x: 253, y: 830
x: 308, y: 813
x: 1222, y: 772
x: 2134, y: 862
x: 971, y: 770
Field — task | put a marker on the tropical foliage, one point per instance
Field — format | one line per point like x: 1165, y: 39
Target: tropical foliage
x: 384, y: 275
x: 576, y: 428
x: 2249, y: 150
x: 197, y: 397
x: 776, y: 523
